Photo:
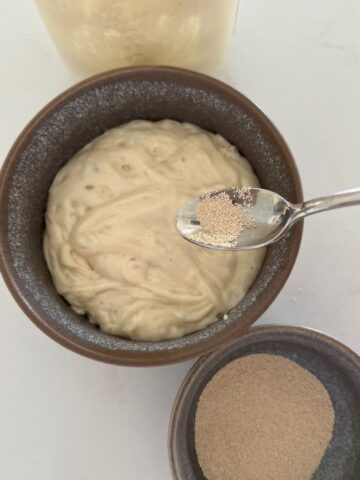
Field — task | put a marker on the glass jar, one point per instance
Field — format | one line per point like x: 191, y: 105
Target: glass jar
x: 97, y: 35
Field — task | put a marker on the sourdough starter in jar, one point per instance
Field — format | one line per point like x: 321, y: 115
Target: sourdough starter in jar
x: 97, y: 35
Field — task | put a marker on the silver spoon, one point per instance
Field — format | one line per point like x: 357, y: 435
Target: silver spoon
x: 273, y: 216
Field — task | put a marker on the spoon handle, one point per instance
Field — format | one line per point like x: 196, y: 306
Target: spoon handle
x: 347, y: 198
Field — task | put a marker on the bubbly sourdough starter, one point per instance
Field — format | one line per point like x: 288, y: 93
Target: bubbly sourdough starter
x: 111, y: 243
x: 97, y: 35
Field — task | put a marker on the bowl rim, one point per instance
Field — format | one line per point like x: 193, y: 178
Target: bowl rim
x: 257, y: 330
x: 150, y: 73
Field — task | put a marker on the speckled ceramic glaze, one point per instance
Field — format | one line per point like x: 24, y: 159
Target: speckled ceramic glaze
x: 74, y: 119
x: 337, y: 367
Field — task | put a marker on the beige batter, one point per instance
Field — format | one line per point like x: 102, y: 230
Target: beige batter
x: 111, y: 243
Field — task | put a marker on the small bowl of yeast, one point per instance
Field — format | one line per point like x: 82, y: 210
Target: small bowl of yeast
x: 278, y: 403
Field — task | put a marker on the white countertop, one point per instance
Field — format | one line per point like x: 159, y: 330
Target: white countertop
x: 64, y: 417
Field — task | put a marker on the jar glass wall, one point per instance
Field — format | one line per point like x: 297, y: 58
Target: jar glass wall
x: 97, y: 35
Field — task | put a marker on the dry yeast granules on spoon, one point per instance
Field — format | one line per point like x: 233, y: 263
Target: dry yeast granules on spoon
x: 221, y: 219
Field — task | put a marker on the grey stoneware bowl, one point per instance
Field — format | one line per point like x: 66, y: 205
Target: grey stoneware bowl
x: 78, y: 116
x: 337, y: 367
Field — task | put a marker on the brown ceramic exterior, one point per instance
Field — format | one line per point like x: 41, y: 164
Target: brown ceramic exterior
x: 79, y: 115
x: 335, y: 365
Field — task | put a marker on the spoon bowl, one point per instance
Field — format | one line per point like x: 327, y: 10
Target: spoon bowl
x: 272, y: 216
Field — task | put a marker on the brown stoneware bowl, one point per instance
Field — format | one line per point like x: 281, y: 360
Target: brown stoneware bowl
x: 333, y: 364
x: 75, y: 118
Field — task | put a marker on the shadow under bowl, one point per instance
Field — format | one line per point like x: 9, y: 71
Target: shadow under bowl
x: 74, y: 119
